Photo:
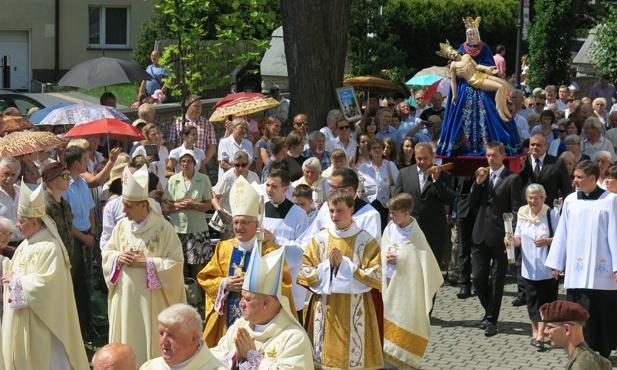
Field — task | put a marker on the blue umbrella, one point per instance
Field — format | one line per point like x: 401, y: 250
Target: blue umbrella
x: 425, y: 80
x: 40, y: 114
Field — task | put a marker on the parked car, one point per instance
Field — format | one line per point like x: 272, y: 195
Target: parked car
x: 22, y: 102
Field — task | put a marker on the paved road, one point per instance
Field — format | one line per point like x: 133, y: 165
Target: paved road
x: 457, y: 342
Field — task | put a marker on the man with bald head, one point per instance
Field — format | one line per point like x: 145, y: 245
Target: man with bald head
x: 115, y: 356
x: 301, y: 124
x: 585, y: 111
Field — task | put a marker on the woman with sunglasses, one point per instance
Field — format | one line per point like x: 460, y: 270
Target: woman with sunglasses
x: 189, y: 138
x: 220, y: 201
x: 191, y: 195
x: 558, y: 145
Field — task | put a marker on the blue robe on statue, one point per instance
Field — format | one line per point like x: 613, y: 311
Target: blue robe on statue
x: 473, y: 122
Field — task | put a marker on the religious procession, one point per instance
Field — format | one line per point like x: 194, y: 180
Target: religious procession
x: 321, y: 249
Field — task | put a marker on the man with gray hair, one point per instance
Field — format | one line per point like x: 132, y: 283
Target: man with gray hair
x: 180, y: 342
x: 233, y: 143
x: 594, y: 141
x: 9, y: 198
x: 317, y: 145
x: 518, y: 99
x: 114, y: 356
x: 330, y: 130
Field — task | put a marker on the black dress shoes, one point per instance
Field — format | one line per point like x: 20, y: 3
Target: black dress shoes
x: 519, y: 301
x: 464, y: 292
x: 483, y: 324
x: 490, y: 330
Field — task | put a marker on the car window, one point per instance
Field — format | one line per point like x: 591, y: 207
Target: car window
x: 23, y: 105
x: 3, y: 104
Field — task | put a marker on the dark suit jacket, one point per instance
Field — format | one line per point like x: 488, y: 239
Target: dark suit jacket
x: 462, y: 187
x: 430, y: 204
x: 553, y: 177
x: 506, y: 196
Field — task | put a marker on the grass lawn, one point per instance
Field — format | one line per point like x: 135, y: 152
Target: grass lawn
x: 126, y: 94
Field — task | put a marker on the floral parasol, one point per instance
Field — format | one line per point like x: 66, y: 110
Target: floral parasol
x: 14, y: 123
x: 20, y: 143
x: 242, y: 107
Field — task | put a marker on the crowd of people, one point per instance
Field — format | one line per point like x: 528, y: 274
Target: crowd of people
x: 316, y: 249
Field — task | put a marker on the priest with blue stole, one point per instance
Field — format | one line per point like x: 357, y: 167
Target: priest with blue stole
x: 223, y: 277
x: 267, y: 336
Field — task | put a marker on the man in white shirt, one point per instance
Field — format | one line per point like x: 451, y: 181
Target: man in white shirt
x: 330, y: 129
x: 594, y: 142
x: 233, y: 143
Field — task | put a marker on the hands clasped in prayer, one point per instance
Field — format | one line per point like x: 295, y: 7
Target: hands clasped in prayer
x: 244, y: 343
x: 336, y: 257
x: 132, y: 259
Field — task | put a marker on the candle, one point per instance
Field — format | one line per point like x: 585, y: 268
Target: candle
x: 507, y: 223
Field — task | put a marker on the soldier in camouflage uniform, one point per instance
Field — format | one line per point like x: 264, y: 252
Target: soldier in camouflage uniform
x: 564, y: 326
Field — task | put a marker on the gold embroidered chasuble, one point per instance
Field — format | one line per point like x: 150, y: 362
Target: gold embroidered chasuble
x: 210, y: 279
x: 133, y: 308
x: 341, y: 322
x: 50, y: 315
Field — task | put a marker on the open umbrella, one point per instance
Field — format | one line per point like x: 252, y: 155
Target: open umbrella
x: 242, y: 107
x: 40, y: 114
x: 14, y: 123
x: 112, y: 128
x: 370, y: 83
x: 231, y: 97
x: 26, y: 142
x: 76, y: 114
x: 423, y: 80
x: 103, y: 71
x: 442, y: 86
x: 434, y: 70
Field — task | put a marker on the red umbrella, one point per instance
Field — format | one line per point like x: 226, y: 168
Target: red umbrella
x: 110, y: 127
x: 232, y: 97
x: 441, y: 86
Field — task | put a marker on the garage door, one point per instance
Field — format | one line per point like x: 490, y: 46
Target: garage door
x: 15, y: 45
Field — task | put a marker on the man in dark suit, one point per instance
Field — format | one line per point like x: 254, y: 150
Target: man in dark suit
x: 495, y: 192
x: 465, y: 219
x: 550, y: 172
x: 431, y: 194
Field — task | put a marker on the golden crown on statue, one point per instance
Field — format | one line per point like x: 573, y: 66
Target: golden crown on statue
x: 472, y: 23
x: 444, y: 49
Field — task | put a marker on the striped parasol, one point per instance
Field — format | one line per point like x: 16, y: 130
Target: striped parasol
x: 26, y: 142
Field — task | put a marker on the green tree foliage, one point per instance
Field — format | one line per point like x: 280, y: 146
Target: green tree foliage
x: 604, y: 50
x: 552, y: 32
x: 422, y: 24
x: 238, y: 31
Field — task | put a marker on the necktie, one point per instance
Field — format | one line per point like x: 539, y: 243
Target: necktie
x: 493, y: 180
x: 536, y: 171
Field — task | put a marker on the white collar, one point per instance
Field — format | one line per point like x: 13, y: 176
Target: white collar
x: 247, y: 246
x: 345, y: 233
x: 498, y: 171
x: 541, y: 158
x: 184, y: 363
x: 261, y: 328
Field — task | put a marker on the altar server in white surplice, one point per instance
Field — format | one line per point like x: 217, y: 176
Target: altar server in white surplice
x: 585, y: 246
x: 287, y: 222
x: 410, y: 281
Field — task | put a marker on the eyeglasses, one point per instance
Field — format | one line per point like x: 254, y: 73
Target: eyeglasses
x: 562, y: 131
x: 540, y: 104
x: 238, y: 165
x: 419, y: 98
x: 243, y: 223
x: 64, y: 176
x: 344, y: 128
x: 301, y: 123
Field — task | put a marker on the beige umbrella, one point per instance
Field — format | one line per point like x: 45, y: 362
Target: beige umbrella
x: 20, y: 143
x: 14, y: 123
x: 434, y: 70
x: 370, y: 83
x: 243, y: 107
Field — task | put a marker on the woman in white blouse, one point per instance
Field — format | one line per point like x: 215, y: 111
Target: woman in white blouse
x: 535, y: 227
x: 377, y: 176
x: 158, y: 159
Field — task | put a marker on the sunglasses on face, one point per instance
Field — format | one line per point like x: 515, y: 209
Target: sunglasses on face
x: 540, y: 104
x: 344, y: 128
x: 64, y: 176
x: 301, y: 123
x: 240, y: 165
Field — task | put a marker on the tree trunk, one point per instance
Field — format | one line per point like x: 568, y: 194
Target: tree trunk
x: 315, y: 36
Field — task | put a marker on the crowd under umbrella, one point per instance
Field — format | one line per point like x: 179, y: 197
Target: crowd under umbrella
x: 26, y: 142
x: 40, y: 114
x: 101, y: 72
x: 370, y: 83
x: 76, y: 114
x: 231, y: 97
x: 109, y: 127
x: 243, y: 107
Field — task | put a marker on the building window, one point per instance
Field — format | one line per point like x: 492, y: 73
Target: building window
x: 109, y: 26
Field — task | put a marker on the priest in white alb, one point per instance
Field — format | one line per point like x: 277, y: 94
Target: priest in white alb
x: 267, y: 336
x: 410, y: 281
x: 40, y: 329
x: 142, y: 263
